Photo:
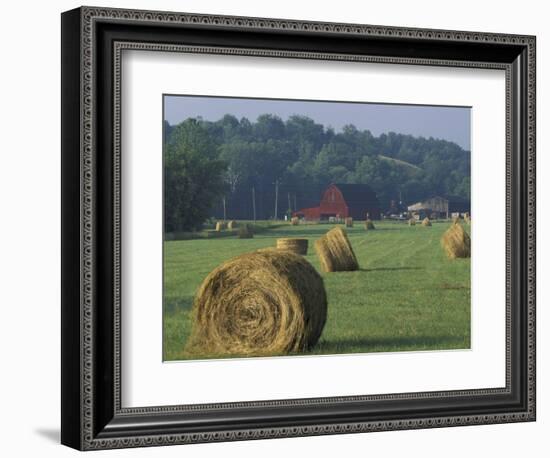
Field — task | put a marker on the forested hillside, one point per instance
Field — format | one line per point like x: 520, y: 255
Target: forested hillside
x: 238, y: 161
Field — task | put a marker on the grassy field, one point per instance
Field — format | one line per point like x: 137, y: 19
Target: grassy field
x: 406, y: 296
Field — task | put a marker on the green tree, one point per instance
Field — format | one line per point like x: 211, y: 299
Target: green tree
x: 193, y: 176
x: 239, y: 159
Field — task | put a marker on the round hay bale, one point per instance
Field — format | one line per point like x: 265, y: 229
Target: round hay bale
x: 369, y: 225
x: 245, y: 232
x: 349, y: 221
x: 267, y: 248
x: 426, y: 222
x: 412, y: 222
x: 220, y: 226
x: 231, y: 225
x: 294, y: 221
x: 335, y: 252
x: 456, y: 242
x: 261, y: 303
x: 298, y: 246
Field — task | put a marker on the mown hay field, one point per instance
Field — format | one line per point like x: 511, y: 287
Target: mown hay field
x: 406, y: 296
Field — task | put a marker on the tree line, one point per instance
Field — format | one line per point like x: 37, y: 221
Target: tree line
x: 266, y: 169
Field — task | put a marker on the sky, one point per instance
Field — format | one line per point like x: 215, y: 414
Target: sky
x: 443, y: 122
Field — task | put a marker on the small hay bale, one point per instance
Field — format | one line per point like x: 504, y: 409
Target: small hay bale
x: 456, y: 242
x: 335, y: 252
x: 256, y: 304
x: 220, y: 226
x: 232, y: 225
x: 298, y: 246
x: 349, y: 221
x: 294, y: 221
x: 426, y: 222
x: 412, y: 222
x: 369, y: 225
x: 245, y: 232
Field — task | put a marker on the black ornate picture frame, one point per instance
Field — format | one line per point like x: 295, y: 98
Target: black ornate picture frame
x: 92, y: 42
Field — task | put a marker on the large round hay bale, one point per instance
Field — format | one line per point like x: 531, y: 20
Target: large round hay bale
x: 412, y: 222
x: 231, y: 225
x: 245, y: 232
x: 267, y: 248
x: 335, y: 251
x: 426, y: 222
x: 456, y: 242
x: 294, y: 221
x: 262, y: 303
x: 455, y: 219
x: 369, y: 225
x: 220, y: 226
x: 349, y: 221
x: 298, y: 246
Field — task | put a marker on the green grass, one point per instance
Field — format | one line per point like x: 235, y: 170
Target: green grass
x: 209, y: 232
x: 406, y: 296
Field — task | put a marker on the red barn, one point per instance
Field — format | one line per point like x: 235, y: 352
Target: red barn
x: 343, y: 200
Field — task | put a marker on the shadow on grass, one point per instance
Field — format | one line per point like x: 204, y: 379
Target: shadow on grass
x: 455, y: 287
x: 391, y: 344
x: 181, y: 303
x: 354, y: 346
x: 388, y: 269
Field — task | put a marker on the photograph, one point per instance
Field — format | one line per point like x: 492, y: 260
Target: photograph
x: 314, y: 227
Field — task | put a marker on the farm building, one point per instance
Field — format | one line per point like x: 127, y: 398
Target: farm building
x: 396, y: 209
x: 440, y: 207
x: 344, y: 200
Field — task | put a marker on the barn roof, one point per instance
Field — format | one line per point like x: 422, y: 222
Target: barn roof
x: 358, y: 198
x: 447, y: 197
x: 451, y: 200
x: 457, y: 199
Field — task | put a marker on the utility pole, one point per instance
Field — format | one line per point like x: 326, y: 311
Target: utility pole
x: 289, y: 205
x: 224, y: 213
x: 254, y: 202
x: 295, y: 207
x: 276, y: 197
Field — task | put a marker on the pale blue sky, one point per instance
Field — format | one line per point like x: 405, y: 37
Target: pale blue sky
x: 448, y: 123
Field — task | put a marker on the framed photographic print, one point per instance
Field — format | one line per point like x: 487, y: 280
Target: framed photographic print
x: 278, y: 228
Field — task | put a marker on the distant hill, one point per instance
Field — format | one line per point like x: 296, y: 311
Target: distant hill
x: 289, y: 163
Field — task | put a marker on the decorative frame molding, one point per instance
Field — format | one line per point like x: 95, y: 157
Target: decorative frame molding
x: 93, y: 39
